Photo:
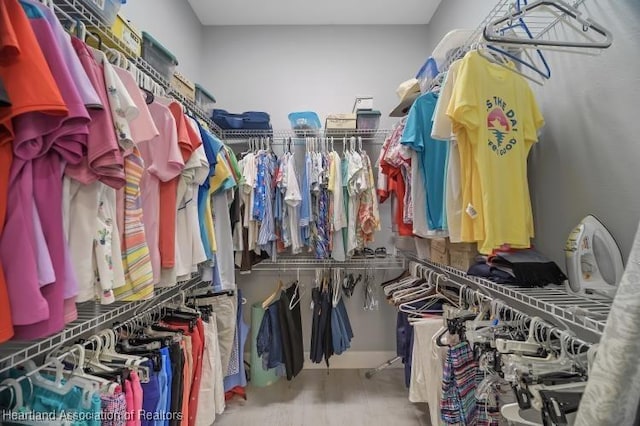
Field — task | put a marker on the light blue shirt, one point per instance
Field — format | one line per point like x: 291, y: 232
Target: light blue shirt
x: 305, y: 206
x: 433, y: 157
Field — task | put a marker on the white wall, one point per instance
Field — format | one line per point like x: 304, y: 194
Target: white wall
x: 588, y: 155
x: 280, y: 69
x: 319, y: 68
x: 175, y: 26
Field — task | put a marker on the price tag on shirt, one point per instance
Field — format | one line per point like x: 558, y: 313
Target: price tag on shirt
x: 471, y: 211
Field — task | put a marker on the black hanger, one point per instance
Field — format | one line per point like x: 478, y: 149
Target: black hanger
x: 555, y: 378
x: 145, y: 340
x: 180, y: 314
x: 188, y: 317
x: 119, y: 376
x: 126, y: 347
x: 454, y: 326
x: 149, y: 96
x: 398, y: 278
x: 212, y: 294
x: 556, y: 406
x: 158, y: 327
x: 523, y: 396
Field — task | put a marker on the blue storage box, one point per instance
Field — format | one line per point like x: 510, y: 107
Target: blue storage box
x: 250, y: 120
x: 105, y: 10
x: 305, y: 123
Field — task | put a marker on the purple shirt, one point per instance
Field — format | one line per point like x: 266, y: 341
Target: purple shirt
x: 17, y: 250
x: 65, y: 144
x: 86, y: 90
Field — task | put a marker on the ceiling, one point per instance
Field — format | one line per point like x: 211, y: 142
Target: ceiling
x: 316, y: 12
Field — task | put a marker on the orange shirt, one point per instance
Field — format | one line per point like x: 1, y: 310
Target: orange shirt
x: 24, y: 71
x: 169, y: 190
x: 31, y: 87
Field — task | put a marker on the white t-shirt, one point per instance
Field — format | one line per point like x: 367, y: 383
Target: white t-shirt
x: 189, y: 249
x: 338, y: 215
x: 443, y: 130
x: 355, y: 185
x: 426, y: 371
x: 293, y: 198
x: 224, y: 238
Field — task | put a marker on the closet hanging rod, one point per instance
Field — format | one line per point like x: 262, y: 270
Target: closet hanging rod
x: 91, y: 317
x: 479, y: 294
x: 310, y: 264
x: 78, y: 11
x: 47, y: 363
x: 301, y: 135
x: 158, y: 304
x: 585, y: 316
x: 502, y: 8
x: 300, y: 143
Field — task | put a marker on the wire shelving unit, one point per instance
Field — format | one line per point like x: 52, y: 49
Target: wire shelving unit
x: 91, y: 317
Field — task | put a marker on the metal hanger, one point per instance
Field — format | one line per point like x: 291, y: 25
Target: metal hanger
x: 495, y: 56
x: 493, y: 31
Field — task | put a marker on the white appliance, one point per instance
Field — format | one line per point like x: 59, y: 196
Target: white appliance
x: 593, y: 259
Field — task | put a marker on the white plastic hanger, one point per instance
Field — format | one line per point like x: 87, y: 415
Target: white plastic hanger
x: 530, y: 346
x: 94, y: 356
x: 109, y: 354
x: 511, y: 412
x: 297, y: 294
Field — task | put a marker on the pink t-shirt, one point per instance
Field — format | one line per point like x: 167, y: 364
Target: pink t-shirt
x: 67, y: 144
x: 18, y: 251
x: 136, y: 387
x: 46, y: 274
x: 163, y: 162
x: 142, y: 126
x: 85, y: 88
x: 104, y: 160
x: 142, y: 130
x: 34, y: 133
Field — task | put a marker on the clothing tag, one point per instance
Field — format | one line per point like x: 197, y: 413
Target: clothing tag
x: 471, y: 211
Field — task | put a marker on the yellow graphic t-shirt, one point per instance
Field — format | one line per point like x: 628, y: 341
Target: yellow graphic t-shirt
x: 495, y: 112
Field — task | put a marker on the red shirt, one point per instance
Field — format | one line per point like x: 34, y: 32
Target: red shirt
x: 197, y: 347
x: 169, y: 191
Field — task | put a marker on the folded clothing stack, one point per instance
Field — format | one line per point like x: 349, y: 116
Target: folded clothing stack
x: 526, y: 268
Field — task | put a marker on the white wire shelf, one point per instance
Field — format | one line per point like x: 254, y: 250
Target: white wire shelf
x: 585, y: 316
x: 68, y: 9
x: 91, y: 317
x: 243, y: 136
x: 302, y: 263
x: 539, y: 25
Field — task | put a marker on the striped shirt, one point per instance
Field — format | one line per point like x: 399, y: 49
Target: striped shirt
x: 135, y: 254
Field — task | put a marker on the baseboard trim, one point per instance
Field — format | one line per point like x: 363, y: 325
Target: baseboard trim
x: 353, y: 360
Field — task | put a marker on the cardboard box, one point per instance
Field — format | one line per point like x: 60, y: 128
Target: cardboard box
x: 465, y: 247
x: 185, y: 87
x: 462, y: 260
x: 438, y: 257
x: 440, y: 245
x: 423, y: 248
x: 341, y: 122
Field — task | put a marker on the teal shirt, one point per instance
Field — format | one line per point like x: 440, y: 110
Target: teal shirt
x: 433, y: 155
